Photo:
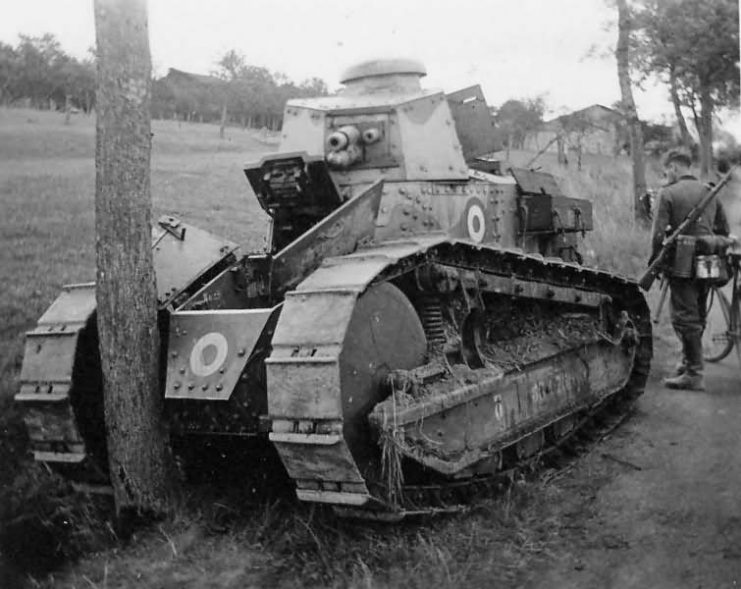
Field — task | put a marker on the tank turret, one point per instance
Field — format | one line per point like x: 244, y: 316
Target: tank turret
x: 379, y: 126
x: 385, y: 126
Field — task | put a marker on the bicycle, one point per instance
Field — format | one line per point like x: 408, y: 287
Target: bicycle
x: 723, y: 317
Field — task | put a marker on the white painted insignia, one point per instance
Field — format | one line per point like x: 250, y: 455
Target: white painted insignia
x: 476, y: 223
x: 208, y: 354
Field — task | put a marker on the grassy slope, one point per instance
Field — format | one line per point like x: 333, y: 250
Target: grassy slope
x: 46, y: 239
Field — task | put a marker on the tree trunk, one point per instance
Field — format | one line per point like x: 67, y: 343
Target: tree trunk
x: 138, y: 445
x: 681, y: 123
x: 223, y: 119
x: 579, y: 151
x: 705, y: 131
x: 561, y: 150
x: 629, y: 109
x: 67, y: 109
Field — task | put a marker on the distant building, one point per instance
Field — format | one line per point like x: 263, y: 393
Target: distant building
x: 181, y: 78
x: 187, y: 96
x: 596, y: 129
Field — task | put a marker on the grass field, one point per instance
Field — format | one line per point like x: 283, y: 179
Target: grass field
x: 47, y: 182
x: 47, y: 240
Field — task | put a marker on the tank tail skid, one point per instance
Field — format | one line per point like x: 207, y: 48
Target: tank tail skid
x: 61, y: 392
x: 49, y: 394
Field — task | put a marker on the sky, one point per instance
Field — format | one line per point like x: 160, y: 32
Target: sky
x: 513, y: 48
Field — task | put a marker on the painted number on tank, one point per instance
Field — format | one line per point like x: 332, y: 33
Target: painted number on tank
x: 539, y: 391
x: 208, y: 354
x: 476, y: 222
x: 498, y: 407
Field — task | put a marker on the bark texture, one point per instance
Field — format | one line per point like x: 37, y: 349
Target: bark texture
x: 635, y: 131
x: 681, y: 123
x: 705, y: 131
x: 138, y: 446
x: 222, y: 126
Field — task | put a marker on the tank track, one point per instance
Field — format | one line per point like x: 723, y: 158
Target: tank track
x: 510, y: 273
x: 458, y: 496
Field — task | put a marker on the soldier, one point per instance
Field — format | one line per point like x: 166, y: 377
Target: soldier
x: 688, y: 298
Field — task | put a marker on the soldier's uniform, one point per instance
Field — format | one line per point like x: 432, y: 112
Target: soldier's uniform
x: 688, y: 296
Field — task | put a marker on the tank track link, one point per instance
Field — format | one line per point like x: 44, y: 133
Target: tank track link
x: 305, y: 441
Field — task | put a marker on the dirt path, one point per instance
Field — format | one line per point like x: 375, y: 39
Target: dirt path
x: 669, y: 514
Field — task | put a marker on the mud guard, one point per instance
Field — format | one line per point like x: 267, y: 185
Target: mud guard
x: 208, y: 350
x: 341, y: 232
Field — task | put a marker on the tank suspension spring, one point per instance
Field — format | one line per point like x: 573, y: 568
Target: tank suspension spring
x: 431, y: 312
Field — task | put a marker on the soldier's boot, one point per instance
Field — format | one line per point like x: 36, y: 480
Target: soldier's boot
x: 691, y: 378
x: 679, y: 369
x: 686, y: 382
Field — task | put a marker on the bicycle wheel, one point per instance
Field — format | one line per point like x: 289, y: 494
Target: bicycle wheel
x: 717, y: 342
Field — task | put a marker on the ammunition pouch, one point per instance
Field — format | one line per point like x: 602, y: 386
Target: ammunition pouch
x: 702, y: 258
x: 712, y: 264
x: 712, y: 269
x: 684, y: 256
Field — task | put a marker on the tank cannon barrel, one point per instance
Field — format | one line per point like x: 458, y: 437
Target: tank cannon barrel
x: 343, y: 138
x: 344, y: 148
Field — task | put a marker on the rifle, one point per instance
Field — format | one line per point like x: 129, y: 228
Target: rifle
x: 648, y: 277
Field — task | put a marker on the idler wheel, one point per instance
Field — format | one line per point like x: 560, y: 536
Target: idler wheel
x: 384, y: 334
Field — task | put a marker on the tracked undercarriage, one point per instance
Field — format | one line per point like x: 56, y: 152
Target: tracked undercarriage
x: 418, y: 325
x: 518, y: 351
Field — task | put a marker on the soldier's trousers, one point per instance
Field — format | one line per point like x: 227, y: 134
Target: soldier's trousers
x: 688, y: 310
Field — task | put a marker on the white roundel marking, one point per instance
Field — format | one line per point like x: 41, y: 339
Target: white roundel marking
x: 205, y: 361
x: 476, y: 223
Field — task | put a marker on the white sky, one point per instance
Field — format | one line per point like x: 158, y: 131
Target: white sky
x: 513, y: 48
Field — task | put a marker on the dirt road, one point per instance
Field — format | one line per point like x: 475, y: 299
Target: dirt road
x: 665, y: 507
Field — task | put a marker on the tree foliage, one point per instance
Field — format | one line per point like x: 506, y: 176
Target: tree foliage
x: 39, y: 70
x: 517, y: 118
x: 696, y: 41
x: 254, y: 96
x: 694, y: 47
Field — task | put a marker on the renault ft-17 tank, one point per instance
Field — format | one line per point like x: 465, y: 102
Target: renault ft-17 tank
x: 417, y: 323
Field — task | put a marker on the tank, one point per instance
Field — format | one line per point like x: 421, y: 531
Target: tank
x: 418, y: 322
